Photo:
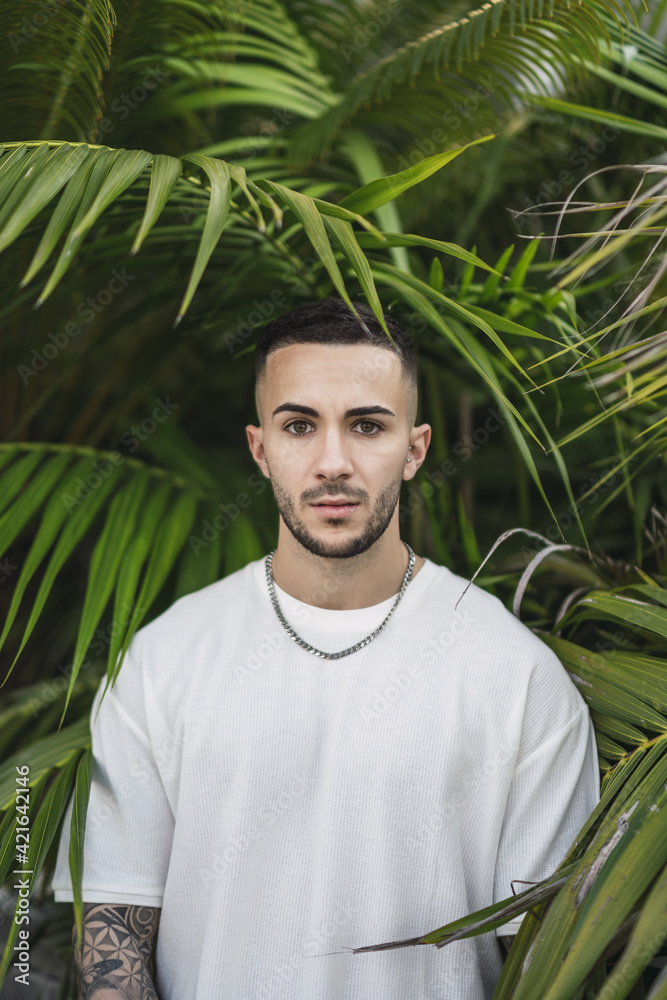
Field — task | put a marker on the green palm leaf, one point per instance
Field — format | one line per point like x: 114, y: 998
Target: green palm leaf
x: 313, y: 226
x: 218, y: 174
x: 133, y: 562
x: 77, y: 833
x: 384, y: 189
x: 46, y: 179
x: 101, y: 176
x: 129, y: 530
x: 111, y: 175
x: 71, y: 200
x: 105, y: 565
x: 508, y: 37
x: 15, y: 477
x: 39, y: 488
x: 53, y: 517
x: 42, y: 757
x: 165, y: 172
x: 74, y: 530
x: 579, y: 927
x: 9, y: 826
x: 646, y: 939
x: 169, y: 540
x: 43, y: 830
x: 604, y: 689
x: 619, y: 607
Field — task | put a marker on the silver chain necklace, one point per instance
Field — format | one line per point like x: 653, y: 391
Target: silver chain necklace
x: 352, y: 649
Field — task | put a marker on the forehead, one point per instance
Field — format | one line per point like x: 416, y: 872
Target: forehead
x: 339, y: 371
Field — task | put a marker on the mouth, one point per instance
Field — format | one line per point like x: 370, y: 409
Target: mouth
x: 335, y: 509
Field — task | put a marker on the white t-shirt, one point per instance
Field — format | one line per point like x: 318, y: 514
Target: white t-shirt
x: 283, y: 809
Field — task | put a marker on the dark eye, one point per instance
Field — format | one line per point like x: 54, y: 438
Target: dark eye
x: 372, y: 427
x: 294, y: 423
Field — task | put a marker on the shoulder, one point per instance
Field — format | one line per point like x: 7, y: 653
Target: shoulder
x: 484, y: 620
x: 495, y: 647
x: 167, y: 655
x: 196, y: 619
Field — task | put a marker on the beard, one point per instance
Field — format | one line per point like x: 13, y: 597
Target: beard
x: 375, y: 527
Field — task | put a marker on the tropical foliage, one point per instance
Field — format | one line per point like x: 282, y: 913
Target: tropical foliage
x: 173, y: 175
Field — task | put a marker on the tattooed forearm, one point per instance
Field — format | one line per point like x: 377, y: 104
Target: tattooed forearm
x: 116, y: 957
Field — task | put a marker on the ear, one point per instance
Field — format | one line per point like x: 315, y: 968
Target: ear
x: 255, y: 437
x: 420, y: 438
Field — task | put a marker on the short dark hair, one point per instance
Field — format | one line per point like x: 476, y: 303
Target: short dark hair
x: 330, y: 321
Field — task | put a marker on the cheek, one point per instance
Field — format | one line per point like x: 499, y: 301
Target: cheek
x: 385, y: 474
x: 287, y: 456
x: 391, y: 459
x: 379, y: 459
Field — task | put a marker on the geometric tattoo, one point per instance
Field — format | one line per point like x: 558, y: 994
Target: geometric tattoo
x: 116, y: 959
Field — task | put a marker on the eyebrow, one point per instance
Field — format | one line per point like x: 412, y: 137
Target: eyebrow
x: 357, y: 411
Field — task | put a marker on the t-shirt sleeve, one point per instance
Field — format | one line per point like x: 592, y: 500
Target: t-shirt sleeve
x: 556, y: 783
x: 129, y: 822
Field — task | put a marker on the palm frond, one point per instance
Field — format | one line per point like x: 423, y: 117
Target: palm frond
x: 505, y: 46
x: 63, y: 50
x: 182, y: 60
x: 84, y: 485
x: 93, y: 179
x: 620, y: 354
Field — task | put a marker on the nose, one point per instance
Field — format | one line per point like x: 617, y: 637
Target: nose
x: 332, y: 459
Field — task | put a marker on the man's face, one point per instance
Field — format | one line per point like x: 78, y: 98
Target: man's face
x: 316, y: 450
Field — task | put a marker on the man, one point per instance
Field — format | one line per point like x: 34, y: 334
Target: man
x: 321, y: 751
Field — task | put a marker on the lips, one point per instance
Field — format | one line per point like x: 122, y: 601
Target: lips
x: 336, y: 509
x: 338, y: 503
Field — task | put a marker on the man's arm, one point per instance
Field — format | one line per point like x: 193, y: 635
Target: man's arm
x: 116, y: 957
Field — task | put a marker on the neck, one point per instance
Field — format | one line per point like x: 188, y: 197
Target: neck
x: 342, y: 584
